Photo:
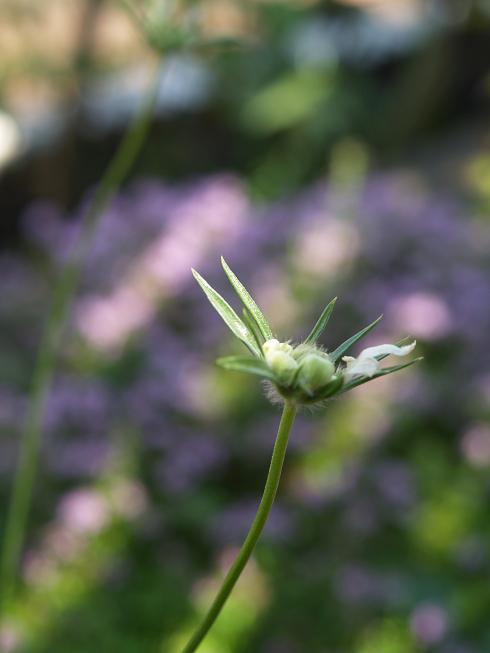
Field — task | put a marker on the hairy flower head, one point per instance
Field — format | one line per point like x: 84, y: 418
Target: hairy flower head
x: 304, y: 373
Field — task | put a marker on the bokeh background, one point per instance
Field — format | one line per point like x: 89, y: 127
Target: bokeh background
x: 325, y: 148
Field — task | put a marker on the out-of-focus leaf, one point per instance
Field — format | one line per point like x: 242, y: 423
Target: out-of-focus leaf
x: 341, y: 349
x: 287, y: 101
x: 248, y: 301
x: 247, y: 365
x: 321, y: 323
x: 228, y: 315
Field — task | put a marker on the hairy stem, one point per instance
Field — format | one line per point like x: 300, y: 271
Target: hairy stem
x: 248, y: 546
x: 64, y: 290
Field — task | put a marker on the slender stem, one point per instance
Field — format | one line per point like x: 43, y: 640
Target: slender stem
x: 64, y: 290
x: 268, y: 496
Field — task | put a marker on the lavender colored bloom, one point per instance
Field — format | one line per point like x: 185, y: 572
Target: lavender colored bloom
x: 475, y: 445
x: 355, y: 584
x: 429, y: 623
x: 80, y: 458
x: 395, y: 483
x: 78, y: 405
x: 145, y: 339
x: 83, y: 511
x: 188, y: 463
x: 361, y: 516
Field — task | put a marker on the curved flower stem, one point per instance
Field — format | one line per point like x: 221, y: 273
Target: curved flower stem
x: 18, y: 509
x: 248, y: 546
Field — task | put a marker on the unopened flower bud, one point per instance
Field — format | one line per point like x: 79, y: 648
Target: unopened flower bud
x: 283, y: 365
x: 270, y: 345
x: 316, y: 371
x: 273, y: 345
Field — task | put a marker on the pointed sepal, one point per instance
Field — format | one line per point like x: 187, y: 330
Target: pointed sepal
x: 247, y: 365
x: 228, y: 315
x: 347, y: 344
x: 252, y: 325
x: 321, y: 323
x: 248, y: 301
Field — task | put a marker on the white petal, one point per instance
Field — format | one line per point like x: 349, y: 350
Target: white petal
x: 360, y: 367
x: 384, y: 350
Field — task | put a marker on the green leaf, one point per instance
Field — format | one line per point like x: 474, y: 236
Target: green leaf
x: 382, y: 372
x: 247, y: 365
x: 248, y: 302
x: 341, y: 349
x: 289, y: 100
x: 228, y: 315
x: 321, y: 323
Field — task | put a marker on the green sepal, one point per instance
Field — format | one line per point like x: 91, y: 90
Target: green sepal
x: 248, y: 365
x: 383, y: 372
x: 321, y: 323
x: 333, y: 387
x: 252, y: 325
x: 248, y: 302
x: 347, y: 344
x: 228, y: 315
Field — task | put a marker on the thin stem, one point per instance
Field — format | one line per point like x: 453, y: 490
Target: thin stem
x: 248, y: 546
x: 18, y: 510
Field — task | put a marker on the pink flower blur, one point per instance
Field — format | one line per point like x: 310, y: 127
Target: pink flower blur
x: 429, y: 623
x: 421, y: 314
x: 475, y: 445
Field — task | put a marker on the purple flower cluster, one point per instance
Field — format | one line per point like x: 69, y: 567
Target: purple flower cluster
x: 139, y: 352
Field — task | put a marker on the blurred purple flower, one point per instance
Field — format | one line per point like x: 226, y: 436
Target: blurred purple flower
x: 83, y: 511
x: 429, y: 623
x: 188, y: 463
x: 413, y: 254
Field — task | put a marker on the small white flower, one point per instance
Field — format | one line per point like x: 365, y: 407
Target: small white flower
x: 366, y: 363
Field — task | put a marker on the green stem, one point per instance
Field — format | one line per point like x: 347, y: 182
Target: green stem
x: 248, y: 546
x: 18, y: 510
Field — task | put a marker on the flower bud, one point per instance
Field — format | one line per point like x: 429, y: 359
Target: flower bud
x: 273, y: 345
x: 316, y: 371
x: 283, y: 365
x: 270, y: 345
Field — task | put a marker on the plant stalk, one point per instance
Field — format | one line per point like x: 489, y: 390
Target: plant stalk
x: 268, y: 496
x: 64, y: 290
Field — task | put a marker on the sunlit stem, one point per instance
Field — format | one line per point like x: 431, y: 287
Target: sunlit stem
x: 42, y: 374
x: 268, y: 496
